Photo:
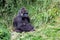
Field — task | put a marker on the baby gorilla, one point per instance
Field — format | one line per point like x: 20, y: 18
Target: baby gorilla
x: 22, y: 22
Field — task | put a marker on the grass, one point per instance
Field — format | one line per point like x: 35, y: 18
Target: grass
x: 44, y: 15
x: 44, y: 32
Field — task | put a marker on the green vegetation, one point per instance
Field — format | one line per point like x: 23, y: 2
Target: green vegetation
x: 4, y: 33
x: 44, y: 14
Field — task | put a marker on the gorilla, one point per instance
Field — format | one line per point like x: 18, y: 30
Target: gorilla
x: 21, y: 22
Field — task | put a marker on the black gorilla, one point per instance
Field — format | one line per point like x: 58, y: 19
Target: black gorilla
x: 22, y: 22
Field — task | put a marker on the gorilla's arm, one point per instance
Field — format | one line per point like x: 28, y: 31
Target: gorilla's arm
x: 15, y: 23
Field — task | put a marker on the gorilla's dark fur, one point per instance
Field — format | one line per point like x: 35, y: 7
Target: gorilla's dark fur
x: 22, y: 22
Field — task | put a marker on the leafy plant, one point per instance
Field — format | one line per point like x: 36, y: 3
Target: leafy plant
x: 4, y: 33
